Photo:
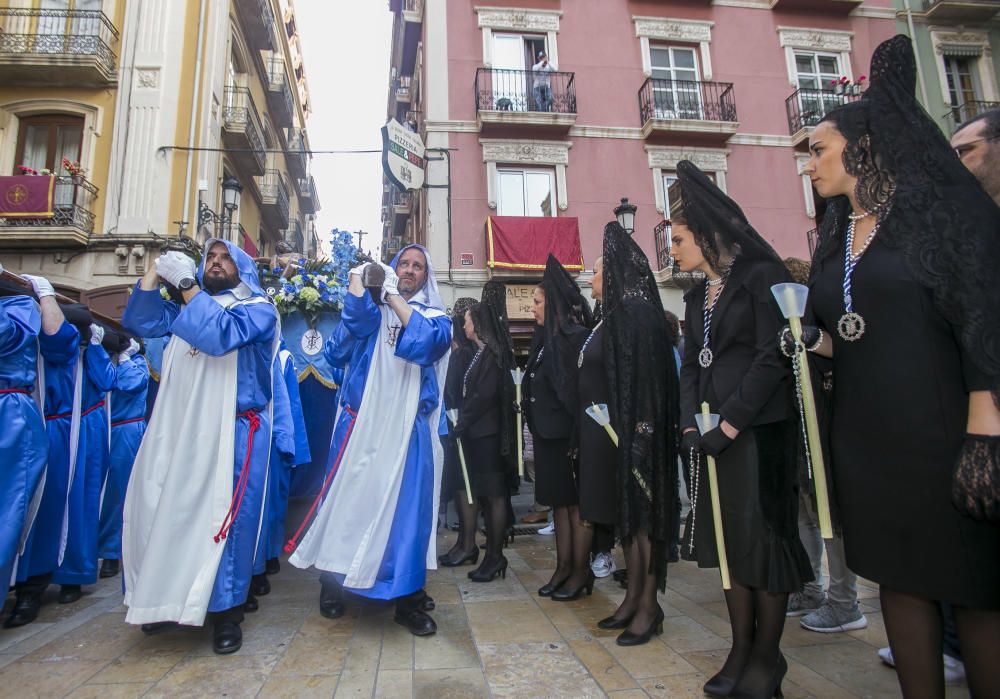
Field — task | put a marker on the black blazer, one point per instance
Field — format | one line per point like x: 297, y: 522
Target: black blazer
x: 458, y: 362
x: 479, y: 415
x: 546, y: 414
x: 749, y: 378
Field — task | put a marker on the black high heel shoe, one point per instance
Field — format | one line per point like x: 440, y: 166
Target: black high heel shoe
x: 627, y: 638
x: 548, y: 588
x: 772, y: 689
x: 472, y: 557
x: 611, y: 622
x: 482, y: 574
x: 564, y: 594
x: 720, y: 685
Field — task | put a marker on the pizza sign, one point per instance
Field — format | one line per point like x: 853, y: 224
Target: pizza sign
x: 402, y: 156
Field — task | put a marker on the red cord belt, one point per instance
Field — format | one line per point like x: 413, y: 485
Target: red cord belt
x: 15, y: 390
x: 125, y: 422
x: 241, y: 484
x: 91, y: 409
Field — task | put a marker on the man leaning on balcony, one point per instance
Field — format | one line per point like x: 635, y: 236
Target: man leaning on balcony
x: 543, y: 83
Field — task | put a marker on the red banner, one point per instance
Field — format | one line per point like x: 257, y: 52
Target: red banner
x: 524, y: 242
x: 247, y: 243
x: 26, y: 196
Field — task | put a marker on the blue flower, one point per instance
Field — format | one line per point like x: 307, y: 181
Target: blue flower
x: 288, y: 288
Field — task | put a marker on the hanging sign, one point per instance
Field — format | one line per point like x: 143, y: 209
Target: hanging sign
x: 402, y: 156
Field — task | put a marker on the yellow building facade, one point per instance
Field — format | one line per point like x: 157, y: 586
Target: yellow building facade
x: 159, y: 102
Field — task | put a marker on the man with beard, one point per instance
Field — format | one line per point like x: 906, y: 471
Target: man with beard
x: 374, y: 532
x: 977, y: 144
x: 193, y: 506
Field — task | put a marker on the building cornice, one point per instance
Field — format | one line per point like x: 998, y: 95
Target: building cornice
x: 517, y: 18
x: 814, y: 38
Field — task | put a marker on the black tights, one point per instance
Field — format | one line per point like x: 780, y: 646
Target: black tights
x: 467, y: 515
x: 757, y: 618
x: 915, y: 630
x: 581, y: 537
x: 496, y: 518
x: 640, y: 597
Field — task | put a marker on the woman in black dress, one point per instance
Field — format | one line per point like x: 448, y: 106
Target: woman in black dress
x: 452, y: 484
x: 486, y: 423
x: 904, y: 294
x: 641, y: 388
x: 732, y: 362
x: 563, y: 318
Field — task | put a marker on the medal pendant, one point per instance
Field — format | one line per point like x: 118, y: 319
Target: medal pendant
x: 851, y: 326
x: 705, y: 357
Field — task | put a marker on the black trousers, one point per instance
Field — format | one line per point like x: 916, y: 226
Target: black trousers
x: 332, y: 589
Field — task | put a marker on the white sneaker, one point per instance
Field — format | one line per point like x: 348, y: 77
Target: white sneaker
x: 603, y: 565
x: 954, y: 670
x: 548, y: 530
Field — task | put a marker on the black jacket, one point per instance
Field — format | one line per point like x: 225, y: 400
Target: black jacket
x: 749, y: 378
x: 549, y: 414
x: 479, y: 415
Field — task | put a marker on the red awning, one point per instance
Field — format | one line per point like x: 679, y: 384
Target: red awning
x: 247, y: 243
x: 524, y: 242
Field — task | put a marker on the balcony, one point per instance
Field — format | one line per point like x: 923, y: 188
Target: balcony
x: 279, y: 95
x: 258, y: 22
x: 524, y: 97
x: 57, y: 47
x: 274, y: 200
x: 661, y: 236
x: 829, y: 7
x: 971, y: 11
x: 812, y: 238
x: 244, y: 135
x: 308, y: 198
x: 957, y: 116
x: 413, y: 10
x: 70, y: 225
x: 294, y: 237
x: 296, y: 155
x: 807, y: 106
x: 706, y: 110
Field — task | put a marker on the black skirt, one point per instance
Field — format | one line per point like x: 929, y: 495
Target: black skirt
x: 555, y: 477
x: 451, y: 472
x: 486, y: 466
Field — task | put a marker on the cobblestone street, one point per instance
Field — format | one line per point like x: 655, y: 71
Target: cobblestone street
x: 498, y: 639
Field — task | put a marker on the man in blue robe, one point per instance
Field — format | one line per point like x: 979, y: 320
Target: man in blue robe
x: 23, y: 444
x: 128, y: 425
x: 374, y: 533
x: 194, y: 504
x: 61, y: 547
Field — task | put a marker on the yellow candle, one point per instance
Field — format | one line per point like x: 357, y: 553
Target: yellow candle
x: 713, y: 488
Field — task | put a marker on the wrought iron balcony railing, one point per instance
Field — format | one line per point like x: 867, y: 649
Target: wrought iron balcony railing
x: 72, y: 207
x: 812, y: 238
x: 274, y: 192
x: 968, y: 110
x: 686, y: 99
x: 661, y: 235
x: 525, y: 91
x: 807, y: 106
x: 278, y: 88
x: 239, y: 115
x: 59, y: 34
x: 296, y: 155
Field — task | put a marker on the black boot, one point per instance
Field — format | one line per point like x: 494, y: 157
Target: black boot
x: 69, y: 594
x: 109, y: 568
x: 24, y: 612
x: 251, y: 605
x: 410, y: 613
x: 331, y: 597
x: 228, y: 637
x: 272, y: 566
x: 260, y: 585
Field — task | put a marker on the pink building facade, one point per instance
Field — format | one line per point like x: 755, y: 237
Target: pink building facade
x: 733, y: 85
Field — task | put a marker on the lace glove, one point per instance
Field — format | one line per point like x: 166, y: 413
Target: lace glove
x: 811, y: 338
x: 133, y: 347
x: 174, y: 266
x: 41, y: 286
x: 975, y: 484
x: 690, y: 440
x: 714, y: 442
x: 96, y: 334
x: 390, y: 287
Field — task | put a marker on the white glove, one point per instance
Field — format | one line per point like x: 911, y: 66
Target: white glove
x: 96, y: 334
x: 124, y: 357
x: 174, y: 266
x: 390, y: 287
x: 41, y: 286
x: 360, y: 269
x: 133, y: 347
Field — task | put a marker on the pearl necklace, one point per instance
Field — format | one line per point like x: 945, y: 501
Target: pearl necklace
x: 468, y: 371
x: 579, y: 361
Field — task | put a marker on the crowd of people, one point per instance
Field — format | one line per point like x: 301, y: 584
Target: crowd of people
x: 901, y: 334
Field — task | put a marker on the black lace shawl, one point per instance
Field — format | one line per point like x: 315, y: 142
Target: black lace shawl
x: 490, y: 320
x: 644, y: 395
x: 458, y: 311
x: 565, y: 312
x: 930, y: 206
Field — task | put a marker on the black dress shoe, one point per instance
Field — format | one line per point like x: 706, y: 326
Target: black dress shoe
x: 485, y: 573
x: 627, y: 638
x: 565, y: 594
x: 24, y: 612
x: 720, y: 685
x: 331, y: 604
x: 416, y: 620
x: 228, y: 638
x: 158, y: 627
x: 272, y: 566
x: 251, y: 605
x: 426, y: 603
x: 610, y: 622
x: 109, y: 568
x: 459, y: 559
x: 260, y: 585
x: 69, y: 594
x: 548, y: 588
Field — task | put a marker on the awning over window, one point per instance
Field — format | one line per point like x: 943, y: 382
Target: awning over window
x: 961, y: 50
x: 524, y: 242
x: 246, y: 242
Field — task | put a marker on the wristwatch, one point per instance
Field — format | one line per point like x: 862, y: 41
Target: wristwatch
x: 185, y: 283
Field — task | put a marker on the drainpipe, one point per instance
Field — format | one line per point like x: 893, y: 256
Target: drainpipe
x: 194, y: 111
x: 913, y: 38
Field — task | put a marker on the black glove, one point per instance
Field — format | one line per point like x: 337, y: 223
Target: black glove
x: 811, y: 336
x: 975, y: 485
x: 690, y: 440
x: 714, y: 442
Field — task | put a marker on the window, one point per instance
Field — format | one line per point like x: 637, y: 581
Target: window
x: 962, y: 83
x: 815, y: 74
x: 513, y: 57
x: 43, y: 141
x: 525, y: 192
x: 676, y: 91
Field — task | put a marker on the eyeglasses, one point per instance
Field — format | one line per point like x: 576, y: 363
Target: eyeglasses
x: 966, y: 147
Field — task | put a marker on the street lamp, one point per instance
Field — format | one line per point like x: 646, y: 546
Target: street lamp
x: 231, y: 189
x: 625, y: 213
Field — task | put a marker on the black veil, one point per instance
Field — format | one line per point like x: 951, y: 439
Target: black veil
x: 930, y: 206
x: 458, y: 311
x: 565, y: 311
x: 644, y: 394
x: 490, y: 320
